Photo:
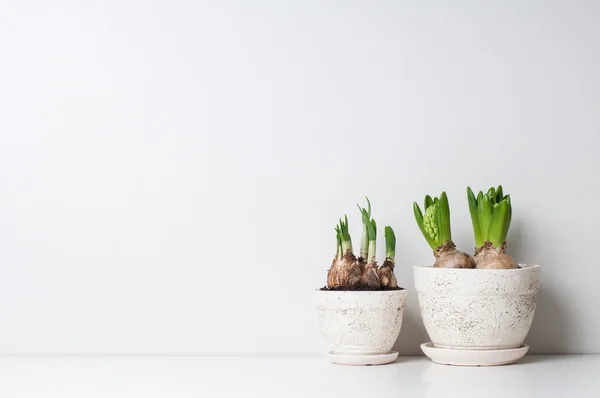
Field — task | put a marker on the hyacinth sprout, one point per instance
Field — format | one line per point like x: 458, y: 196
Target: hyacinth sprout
x: 491, y: 214
x: 435, y: 227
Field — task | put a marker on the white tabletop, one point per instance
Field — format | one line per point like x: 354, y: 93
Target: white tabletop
x: 408, y: 377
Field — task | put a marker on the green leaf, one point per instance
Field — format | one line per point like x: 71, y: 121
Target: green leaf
x: 485, y: 215
x: 444, y: 219
x: 364, y: 215
x: 509, y: 205
x: 499, y: 225
x: 491, y: 193
x: 419, y: 219
x: 347, y: 236
x: 389, y: 235
x: 344, y: 229
x: 474, y: 218
x: 390, y: 242
x: 371, y: 230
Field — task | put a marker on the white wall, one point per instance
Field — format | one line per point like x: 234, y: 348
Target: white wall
x: 171, y: 171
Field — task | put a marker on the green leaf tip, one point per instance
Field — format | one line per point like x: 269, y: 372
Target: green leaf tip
x: 428, y: 202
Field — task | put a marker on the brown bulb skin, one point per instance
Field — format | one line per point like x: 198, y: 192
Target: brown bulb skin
x: 446, y: 256
x: 489, y: 257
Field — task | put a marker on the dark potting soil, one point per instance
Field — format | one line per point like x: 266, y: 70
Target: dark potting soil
x: 359, y: 288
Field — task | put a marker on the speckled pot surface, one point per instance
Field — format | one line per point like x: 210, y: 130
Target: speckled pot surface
x: 477, y: 308
x: 361, y: 322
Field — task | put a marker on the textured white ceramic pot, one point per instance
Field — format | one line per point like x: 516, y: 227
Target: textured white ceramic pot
x: 360, y: 322
x: 477, y: 309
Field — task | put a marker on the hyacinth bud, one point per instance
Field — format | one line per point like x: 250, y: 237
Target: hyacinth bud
x: 429, y: 222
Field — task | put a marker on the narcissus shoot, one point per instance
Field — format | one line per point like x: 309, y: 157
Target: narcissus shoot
x: 344, y: 239
x: 390, y: 243
x: 362, y: 273
x: 364, y: 242
x: 386, y: 271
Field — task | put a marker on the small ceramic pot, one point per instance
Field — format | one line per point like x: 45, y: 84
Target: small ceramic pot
x: 477, y: 309
x: 360, y: 322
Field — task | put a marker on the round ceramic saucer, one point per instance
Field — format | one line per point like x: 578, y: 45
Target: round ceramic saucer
x: 448, y: 356
x: 363, y: 360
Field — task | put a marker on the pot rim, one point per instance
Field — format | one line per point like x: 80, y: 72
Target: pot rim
x: 523, y: 268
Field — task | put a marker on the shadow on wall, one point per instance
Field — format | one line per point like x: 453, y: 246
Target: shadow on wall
x: 552, y: 329
x: 413, y: 332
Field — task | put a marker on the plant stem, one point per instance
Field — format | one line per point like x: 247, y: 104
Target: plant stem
x: 372, y: 251
x: 364, y: 243
x: 338, y: 239
x: 345, y: 247
x: 372, y: 232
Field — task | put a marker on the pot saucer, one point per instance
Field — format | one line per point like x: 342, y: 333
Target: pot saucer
x: 448, y: 356
x: 363, y: 360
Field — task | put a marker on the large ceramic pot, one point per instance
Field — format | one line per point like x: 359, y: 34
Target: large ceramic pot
x: 477, y: 309
x: 360, y: 322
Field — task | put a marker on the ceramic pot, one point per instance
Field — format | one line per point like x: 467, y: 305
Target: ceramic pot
x: 360, y: 322
x: 477, y: 309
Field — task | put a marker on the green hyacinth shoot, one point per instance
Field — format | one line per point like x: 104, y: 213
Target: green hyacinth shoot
x: 435, y: 224
x: 491, y: 214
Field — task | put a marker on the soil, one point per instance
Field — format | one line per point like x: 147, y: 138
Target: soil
x: 359, y: 288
